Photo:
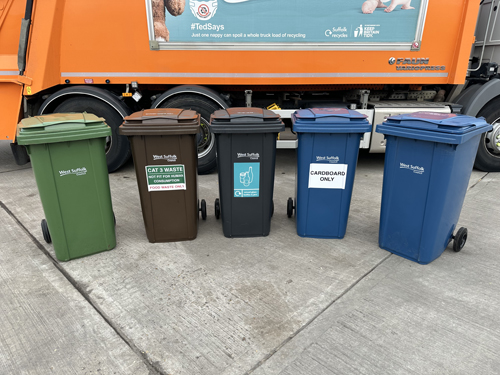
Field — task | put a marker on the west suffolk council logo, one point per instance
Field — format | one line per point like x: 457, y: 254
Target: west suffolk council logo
x: 77, y: 172
x: 169, y: 158
x: 203, y: 10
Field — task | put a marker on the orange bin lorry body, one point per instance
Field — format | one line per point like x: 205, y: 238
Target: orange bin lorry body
x: 115, y: 49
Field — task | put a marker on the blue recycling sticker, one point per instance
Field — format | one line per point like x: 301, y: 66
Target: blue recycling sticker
x: 246, y: 180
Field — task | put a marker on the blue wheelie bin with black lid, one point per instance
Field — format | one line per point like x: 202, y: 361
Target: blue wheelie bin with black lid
x: 327, y: 155
x: 428, y: 163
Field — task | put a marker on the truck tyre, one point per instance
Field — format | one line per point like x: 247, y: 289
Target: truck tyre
x: 117, y: 146
x: 488, y: 157
x: 206, y: 140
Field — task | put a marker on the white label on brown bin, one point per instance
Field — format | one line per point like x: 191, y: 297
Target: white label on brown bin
x: 165, y: 177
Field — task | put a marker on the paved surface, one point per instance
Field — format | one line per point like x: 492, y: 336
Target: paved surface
x: 275, y: 305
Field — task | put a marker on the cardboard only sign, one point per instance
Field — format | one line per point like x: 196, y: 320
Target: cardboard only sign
x: 327, y: 176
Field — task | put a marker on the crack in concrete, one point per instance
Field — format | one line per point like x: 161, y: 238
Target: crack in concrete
x: 153, y: 367
x: 308, y: 323
x: 15, y: 170
x: 477, y: 183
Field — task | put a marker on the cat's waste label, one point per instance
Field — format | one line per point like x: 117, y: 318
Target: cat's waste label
x: 165, y: 177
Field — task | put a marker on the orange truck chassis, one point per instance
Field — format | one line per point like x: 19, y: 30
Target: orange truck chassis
x: 111, y: 60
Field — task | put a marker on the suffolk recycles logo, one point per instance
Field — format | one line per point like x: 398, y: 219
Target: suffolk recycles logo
x: 203, y: 10
x: 78, y: 172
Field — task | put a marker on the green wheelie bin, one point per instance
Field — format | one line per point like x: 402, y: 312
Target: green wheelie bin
x: 69, y: 162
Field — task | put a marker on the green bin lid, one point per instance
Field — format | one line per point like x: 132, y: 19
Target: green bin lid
x: 161, y: 121
x: 61, y: 127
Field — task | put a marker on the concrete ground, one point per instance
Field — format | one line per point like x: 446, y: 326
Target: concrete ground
x: 275, y: 305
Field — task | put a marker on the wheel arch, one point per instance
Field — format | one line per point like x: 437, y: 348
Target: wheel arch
x: 476, y: 97
x: 51, y: 103
x: 191, y: 89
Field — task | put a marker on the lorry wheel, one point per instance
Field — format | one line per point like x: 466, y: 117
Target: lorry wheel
x: 206, y: 140
x: 117, y: 146
x: 488, y: 152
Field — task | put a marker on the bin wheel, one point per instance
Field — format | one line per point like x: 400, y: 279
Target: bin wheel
x: 114, y: 218
x: 45, y: 231
x: 460, y: 239
x: 289, y: 207
x: 203, y: 209
x: 217, y: 209
x: 272, y: 208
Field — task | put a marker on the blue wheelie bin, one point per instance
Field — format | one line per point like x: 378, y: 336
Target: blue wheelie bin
x: 327, y: 155
x: 428, y: 162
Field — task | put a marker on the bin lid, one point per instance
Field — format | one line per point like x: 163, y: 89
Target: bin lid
x: 330, y: 120
x: 161, y: 121
x: 246, y: 120
x: 61, y: 127
x: 435, y: 127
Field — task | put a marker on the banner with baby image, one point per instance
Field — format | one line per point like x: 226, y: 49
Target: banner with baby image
x: 287, y: 24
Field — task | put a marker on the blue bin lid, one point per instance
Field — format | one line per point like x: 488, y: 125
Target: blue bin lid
x: 330, y: 120
x: 434, y: 127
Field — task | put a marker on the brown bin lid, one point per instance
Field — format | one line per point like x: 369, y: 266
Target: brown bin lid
x: 161, y: 121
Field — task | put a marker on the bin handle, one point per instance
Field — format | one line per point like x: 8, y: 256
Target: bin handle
x: 62, y: 127
x: 445, y: 128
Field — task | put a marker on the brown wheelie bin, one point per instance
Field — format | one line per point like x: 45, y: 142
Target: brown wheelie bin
x: 165, y: 157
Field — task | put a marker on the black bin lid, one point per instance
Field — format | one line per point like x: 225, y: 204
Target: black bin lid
x: 246, y: 120
x: 161, y: 121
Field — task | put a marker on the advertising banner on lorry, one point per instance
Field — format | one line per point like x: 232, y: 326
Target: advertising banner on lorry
x: 286, y: 24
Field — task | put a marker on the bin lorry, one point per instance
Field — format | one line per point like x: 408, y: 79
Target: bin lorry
x: 380, y: 57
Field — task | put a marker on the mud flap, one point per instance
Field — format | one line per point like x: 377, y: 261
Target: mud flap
x: 20, y: 154
x: 11, y: 96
